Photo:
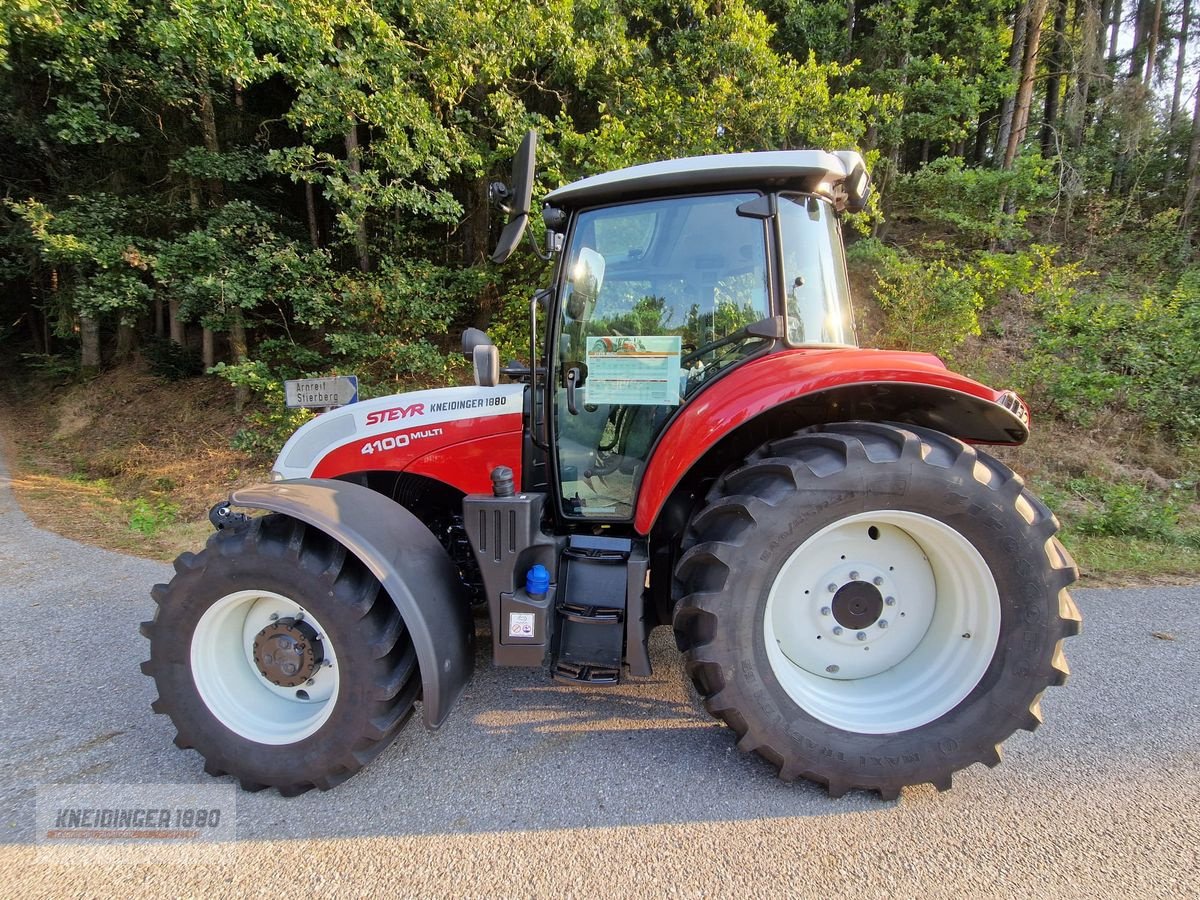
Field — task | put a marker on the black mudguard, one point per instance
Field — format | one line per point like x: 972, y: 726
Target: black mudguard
x: 408, y: 561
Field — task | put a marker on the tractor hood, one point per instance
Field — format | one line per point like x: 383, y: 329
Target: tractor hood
x: 454, y: 435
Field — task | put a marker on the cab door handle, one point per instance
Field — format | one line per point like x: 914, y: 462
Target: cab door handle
x: 574, y: 375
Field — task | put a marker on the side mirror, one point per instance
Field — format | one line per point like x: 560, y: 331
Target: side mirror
x: 858, y: 181
x: 520, y: 193
x: 486, y: 359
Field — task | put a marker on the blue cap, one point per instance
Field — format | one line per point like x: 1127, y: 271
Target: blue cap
x: 537, y: 581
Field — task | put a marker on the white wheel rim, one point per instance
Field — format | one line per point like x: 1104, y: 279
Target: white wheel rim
x: 236, y: 691
x: 935, y: 635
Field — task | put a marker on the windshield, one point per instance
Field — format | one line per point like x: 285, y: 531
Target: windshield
x: 688, y: 267
x: 814, y: 273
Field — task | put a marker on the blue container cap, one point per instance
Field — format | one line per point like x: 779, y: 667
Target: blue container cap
x: 537, y: 580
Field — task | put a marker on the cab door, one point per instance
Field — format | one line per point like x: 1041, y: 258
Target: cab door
x: 655, y: 297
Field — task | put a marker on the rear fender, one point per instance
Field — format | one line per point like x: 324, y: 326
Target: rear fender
x: 784, y: 392
x: 408, y: 561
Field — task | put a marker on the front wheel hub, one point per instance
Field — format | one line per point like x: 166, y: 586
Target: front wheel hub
x: 288, y: 652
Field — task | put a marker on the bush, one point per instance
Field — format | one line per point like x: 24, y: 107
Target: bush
x: 968, y: 200
x: 271, y: 422
x: 1093, y: 353
x: 149, y: 517
x: 170, y: 360
x: 1124, y: 509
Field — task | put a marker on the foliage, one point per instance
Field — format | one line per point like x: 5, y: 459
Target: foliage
x: 170, y: 360
x: 929, y: 306
x: 270, y: 422
x: 1096, y: 352
x: 964, y: 199
x: 149, y: 517
x: 1125, y: 509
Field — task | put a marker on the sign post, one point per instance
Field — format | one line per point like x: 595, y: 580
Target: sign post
x: 321, y: 393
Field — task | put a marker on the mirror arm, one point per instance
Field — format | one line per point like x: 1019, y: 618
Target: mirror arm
x: 544, y: 257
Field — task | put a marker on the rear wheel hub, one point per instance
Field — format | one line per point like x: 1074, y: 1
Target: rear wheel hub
x: 857, y: 605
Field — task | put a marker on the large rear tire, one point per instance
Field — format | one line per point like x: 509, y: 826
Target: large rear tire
x: 870, y: 606
x: 279, y: 658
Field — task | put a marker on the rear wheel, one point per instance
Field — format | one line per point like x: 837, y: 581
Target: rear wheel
x: 279, y: 658
x: 871, y: 607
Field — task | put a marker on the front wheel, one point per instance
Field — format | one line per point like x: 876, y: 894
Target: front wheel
x: 870, y: 606
x: 279, y: 657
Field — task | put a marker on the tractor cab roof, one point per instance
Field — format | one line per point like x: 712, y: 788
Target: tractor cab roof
x: 808, y: 171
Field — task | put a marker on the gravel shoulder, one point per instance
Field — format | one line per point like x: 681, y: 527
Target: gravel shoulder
x: 534, y: 789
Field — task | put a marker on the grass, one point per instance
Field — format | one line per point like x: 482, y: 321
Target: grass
x: 91, y: 511
x: 128, y: 461
x: 1108, y: 561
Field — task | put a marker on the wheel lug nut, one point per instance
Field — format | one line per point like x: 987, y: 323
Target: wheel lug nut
x: 890, y: 601
x: 883, y: 623
x: 877, y: 580
x: 825, y: 610
x: 837, y: 629
x: 862, y: 635
x: 854, y: 576
x: 832, y: 587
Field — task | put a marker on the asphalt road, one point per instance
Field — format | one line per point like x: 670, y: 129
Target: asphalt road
x: 533, y: 789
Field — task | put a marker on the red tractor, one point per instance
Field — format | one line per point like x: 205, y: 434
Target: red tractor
x: 863, y: 596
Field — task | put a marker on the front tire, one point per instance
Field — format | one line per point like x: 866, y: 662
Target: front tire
x: 279, y: 658
x: 869, y: 606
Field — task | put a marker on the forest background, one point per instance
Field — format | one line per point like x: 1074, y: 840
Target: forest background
x: 202, y: 198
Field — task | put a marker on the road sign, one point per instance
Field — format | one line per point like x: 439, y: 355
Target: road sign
x: 319, y: 393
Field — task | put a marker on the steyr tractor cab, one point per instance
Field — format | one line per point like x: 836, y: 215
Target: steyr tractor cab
x: 865, y: 598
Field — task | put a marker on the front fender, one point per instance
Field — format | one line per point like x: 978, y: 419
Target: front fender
x: 409, y: 562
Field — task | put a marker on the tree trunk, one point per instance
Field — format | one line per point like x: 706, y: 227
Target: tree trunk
x: 35, y: 331
x: 173, y: 320
x: 1185, y: 26
x: 207, y: 356
x: 1152, y: 44
x: 1193, y: 167
x: 362, y: 243
x: 1137, y: 55
x: 310, y: 207
x: 208, y: 124
x: 1024, y: 98
x: 89, y: 345
x: 1114, y: 26
x: 126, y: 338
x: 1058, y: 59
x: 1087, y: 67
x: 982, y: 132
x: 849, y: 54
x: 1015, y: 57
x: 158, y: 316
x: 474, y: 229
x: 240, y: 353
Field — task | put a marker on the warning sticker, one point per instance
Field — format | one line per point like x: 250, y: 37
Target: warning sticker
x: 520, y: 625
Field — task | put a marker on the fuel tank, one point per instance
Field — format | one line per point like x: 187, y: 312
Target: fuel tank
x: 455, y: 435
